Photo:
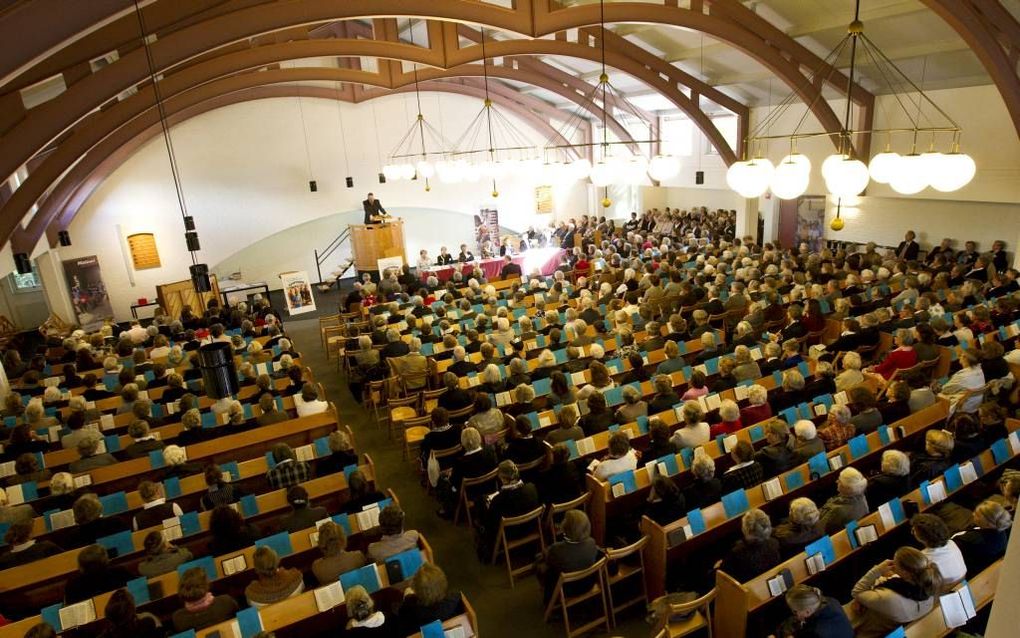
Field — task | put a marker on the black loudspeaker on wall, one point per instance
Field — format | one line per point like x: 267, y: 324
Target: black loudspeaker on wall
x: 64, y: 238
x: 313, y: 186
x: 382, y: 178
x: 191, y: 239
x: 200, y: 277
x: 218, y: 371
x: 350, y: 182
x: 699, y: 177
x: 22, y: 263
x: 189, y: 222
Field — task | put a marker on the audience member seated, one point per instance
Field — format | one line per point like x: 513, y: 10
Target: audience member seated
x: 361, y: 493
x: 219, y: 491
x: 802, y: 527
x: 91, y: 457
x: 161, y: 556
x: 302, y: 515
x: 95, y: 575
x: 756, y: 552
x: 560, y: 482
x: 896, y: 592
x: 288, y: 470
x: 659, y: 443
x: 308, y: 402
x: 837, y: 429
x: 892, y: 482
x: 777, y: 456
x: 514, y: 498
x: 201, y: 608
x: 229, y: 531
x: 575, y: 552
x: 621, y: 457
x: 568, y: 428
x: 746, y: 472
x: 22, y: 547
x: 428, y: 599
x: 849, y: 503
x: 666, y: 502
x: 394, y: 539
x: 599, y: 416
x: 695, y: 432
x: 272, y: 583
x: 454, y: 398
x: 815, y: 615
x: 335, y: 558
x: 932, y: 532
x: 867, y: 417
x: 522, y: 446
x: 936, y: 458
x: 364, y: 620
x: 124, y: 621
x: 92, y: 525
x: 758, y: 408
x: 985, y: 542
x: 155, y: 509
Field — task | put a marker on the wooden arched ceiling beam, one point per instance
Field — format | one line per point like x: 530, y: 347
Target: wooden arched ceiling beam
x: 199, y: 75
x: 993, y: 34
x: 75, y: 187
x: 726, y: 20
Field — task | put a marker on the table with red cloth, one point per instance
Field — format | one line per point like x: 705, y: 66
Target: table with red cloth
x: 545, y: 260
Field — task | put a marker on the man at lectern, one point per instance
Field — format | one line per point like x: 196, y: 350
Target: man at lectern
x: 374, y: 211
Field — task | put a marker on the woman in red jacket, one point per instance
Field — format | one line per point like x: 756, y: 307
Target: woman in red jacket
x: 902, y: 357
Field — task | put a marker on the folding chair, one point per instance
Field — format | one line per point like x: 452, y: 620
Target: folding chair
x: 700, y: 617
x: 463, y: 503
x: 414, y: 430
x: 564, y: 602
x: 557, y: 509
x: 402, y: 409
x: 532, y: 518
x: 630, y: 576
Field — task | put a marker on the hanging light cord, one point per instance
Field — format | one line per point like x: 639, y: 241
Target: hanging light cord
x: 343, y: 136
x: 171, y: 157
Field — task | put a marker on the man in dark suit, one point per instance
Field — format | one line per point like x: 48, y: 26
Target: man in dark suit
x: 510, y: 269
x: 374, y: 210
x: 908, y: 247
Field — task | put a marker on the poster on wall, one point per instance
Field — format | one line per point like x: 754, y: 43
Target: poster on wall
x: 389, y: 263
x: 297, y: 291
x: 487, y: 232
x: 811, y: 222
x: 543, y: 199
x: 88, y: 292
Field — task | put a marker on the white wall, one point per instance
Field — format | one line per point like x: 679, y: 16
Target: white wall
x: 245, y: 174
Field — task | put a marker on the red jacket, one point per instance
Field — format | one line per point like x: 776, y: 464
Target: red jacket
x: 898, y: 358
x: 755, y: 413
x: 725, y: 427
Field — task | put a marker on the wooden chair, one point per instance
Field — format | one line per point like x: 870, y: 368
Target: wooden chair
x: 532, y: 518
x: 333, y: 340
x: 700, y: 617
x: 463, y: 504
x: 556, y: 509
x: 401, y: 409
x: 632, y: 571
x: 461, y: 415
x: 564, y: 602
x: 327, y: 321
x: 415, y: 430
x: 430, y: 398
x: 377, y: 394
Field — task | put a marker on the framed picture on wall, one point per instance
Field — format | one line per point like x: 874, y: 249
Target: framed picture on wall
x: 543, y: 199
x: 144, y: 254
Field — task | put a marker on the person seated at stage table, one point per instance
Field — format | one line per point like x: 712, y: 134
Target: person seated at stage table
x: 510, y: 269
x: 444, y: 258
x: 465, y: 255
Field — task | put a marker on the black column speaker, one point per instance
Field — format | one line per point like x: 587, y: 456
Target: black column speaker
x: 64, y: 238
x: 200, y: 277
x: 22, y: 263
x: 219, y: 373
x: 191, y: 239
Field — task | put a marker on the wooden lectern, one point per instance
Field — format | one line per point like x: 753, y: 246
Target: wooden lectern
x: 373, y: 242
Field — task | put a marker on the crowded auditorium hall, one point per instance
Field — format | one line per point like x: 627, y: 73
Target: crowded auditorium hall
x: 429, y: 318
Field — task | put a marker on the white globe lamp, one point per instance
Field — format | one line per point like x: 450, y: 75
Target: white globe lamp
x: 391, y: 171
x: 790, y: 180
x: 847, y: 178
x: 956, y: 172
x: 406, y: 170
x: 751, y: 178
x: 602, y: 173
x: 663, y: 167
x: 425, y: 169
x: 799, y: 160
x: 909, y: 178
x: 830, y: 162
x: 883, y: 166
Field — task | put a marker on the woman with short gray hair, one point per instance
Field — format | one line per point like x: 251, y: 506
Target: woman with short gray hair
x: 757, y: 552
x: 849, y: 503
x: 633, y: 406
x: 801, y: 528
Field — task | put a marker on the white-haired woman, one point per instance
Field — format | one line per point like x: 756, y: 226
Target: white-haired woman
x: 849, y: 503
x: 802, y: 527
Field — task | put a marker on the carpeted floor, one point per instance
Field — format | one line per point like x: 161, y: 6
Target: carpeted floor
x: 502, y: 611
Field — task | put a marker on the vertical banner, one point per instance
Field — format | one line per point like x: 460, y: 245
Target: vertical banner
x: 811, y: 221
x: 543, y: 199
x: 88, y: 292
x: 297, y: 290
x: 487, y: 232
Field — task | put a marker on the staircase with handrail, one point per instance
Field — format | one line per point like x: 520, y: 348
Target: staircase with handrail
x: 325, y: 253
